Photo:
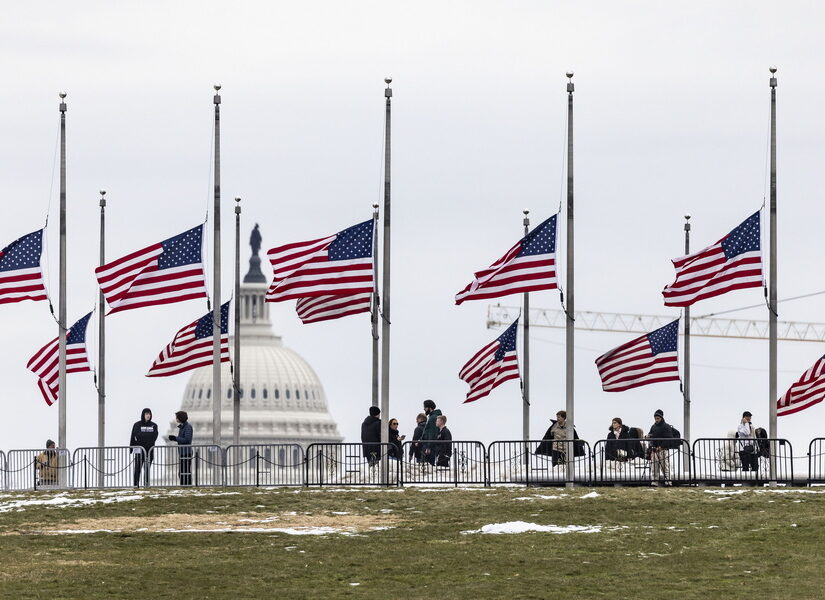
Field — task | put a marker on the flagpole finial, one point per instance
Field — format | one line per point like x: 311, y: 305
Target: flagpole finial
x: 773, y: 78
x: 570, y: 86
x: 217, y: 98
x: 102, y: 198
x: 62, y: 101
x: 237, y: 205
x: 526, y: 213
x: 687, y: 222
x: 388, y: 91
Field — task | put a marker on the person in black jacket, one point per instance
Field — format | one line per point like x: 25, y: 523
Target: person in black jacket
x: 619, y: 445
x: 371, y: 435
x: 416, y: 449
x: 659, y: 434
x: 144, y: 434
x: 395, y: 441
x: 184, y: 439
x: 444, y: 448
x: 553, y: 443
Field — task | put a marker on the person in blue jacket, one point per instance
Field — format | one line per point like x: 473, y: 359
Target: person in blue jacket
x: 184, y: 438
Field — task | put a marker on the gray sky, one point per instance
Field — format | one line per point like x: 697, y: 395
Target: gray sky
x: 672, y: 108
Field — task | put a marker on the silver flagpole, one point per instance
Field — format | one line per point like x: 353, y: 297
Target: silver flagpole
x: 61, y: 319
x: 569, y: 349
x: 236, y: 400
x: 772, y: 308
x: 686, y: 380
x: 216, y: 275
x: 385, y: 305
x: 525, y: 391
x: 375, y: 306
x: 101, y: 350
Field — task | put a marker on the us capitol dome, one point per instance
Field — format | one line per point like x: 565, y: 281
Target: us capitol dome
x: 282, y: 399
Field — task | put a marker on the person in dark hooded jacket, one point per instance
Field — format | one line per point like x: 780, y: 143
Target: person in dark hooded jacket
x: 619, y: 445
x: 371, y: 435
x: 659, y: 434
x: 558, y: 449
x: 416, y: 449
x: 144, y: 434
x: 184, y: 440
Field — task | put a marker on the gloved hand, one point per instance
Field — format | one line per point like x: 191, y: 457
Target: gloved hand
x: 173, y: 438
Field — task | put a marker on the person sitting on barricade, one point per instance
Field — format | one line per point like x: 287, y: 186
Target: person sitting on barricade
x: 620, y: 445
x: 430, y: 430
x: 557, y: 438
x: 184, y: 438
x: 416, y: 448
x: 395, y: 441
x: 371, y: 436
x: 444, y: 449
x: 47, y: 464
x: 660, y: 433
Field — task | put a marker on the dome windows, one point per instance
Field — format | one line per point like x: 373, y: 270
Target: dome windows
x: 277, y: 394
x: 265, y: 393
x: 252, y: 393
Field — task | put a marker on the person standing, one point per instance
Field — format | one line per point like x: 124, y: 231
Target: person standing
x: 746, y: 433
x: 184, y: 438
x: 47, y: 464
x: 144, y: 435
x: 371, y: 436
x: 430, y: 431
x: 557, y: 439
x: 444, y: 445
x: 395, y: 440
x: 416, y: 451
x: 660, y: 433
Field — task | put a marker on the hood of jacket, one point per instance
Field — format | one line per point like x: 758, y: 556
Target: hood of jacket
x: 144, y: 411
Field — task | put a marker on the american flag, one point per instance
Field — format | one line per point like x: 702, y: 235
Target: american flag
x: 732, y: 263
x: 192, y: 346
x: 491, y: 366
x: 528, y: 266
x: 20, y: 275
x: 809, y: 390
x: 163, y: 273
x: 324, y: 308
x: 46, y: 362
x: 339, y: 265
x: 650, y: 358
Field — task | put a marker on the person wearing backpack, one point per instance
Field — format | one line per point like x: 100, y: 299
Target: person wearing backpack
x: 659, y: 442
x: 748, y: 454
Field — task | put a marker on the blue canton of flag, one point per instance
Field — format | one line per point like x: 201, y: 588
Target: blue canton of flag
x: 542, y: 240
x: 744, y: 238
x: 664, y: 339
x: 77, y: 334
x: 20, y: 275
x: 507, y: 341
x: 354, y: 242
x: 204, y: 327
x: 183, y: 249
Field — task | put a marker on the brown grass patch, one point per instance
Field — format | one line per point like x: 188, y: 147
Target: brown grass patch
x: 237, y: 522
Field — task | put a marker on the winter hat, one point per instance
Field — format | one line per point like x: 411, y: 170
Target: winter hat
x: 49, y: 443
x: 747, y: 413
x: 659, y: 413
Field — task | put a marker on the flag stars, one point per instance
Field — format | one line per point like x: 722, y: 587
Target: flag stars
x: 507, y: 341
x: 183, y: 249
x: 352, y: 243
x: 744, y: 238
x: 23, y: 253
x: 542, y: 240
x: 664, y: 339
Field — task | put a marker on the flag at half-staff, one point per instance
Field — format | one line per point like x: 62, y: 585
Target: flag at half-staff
x: 809, y: 390
x: 163, y: 273
x: 528, y: 266
x: 732, y: 263
x: 324, y: 308
x: 21, y: 277
x: 339, y: 265
x: 491, y: 366
x: 192, y: 346
x: 650, y: 358
x: 45, y: 362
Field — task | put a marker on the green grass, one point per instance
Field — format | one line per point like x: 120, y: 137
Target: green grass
x: 655, y: 543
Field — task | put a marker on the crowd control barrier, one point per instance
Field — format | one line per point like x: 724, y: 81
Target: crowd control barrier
x: 442, y: 462
x: 731, y: 460
x: 35, y: 469
x: 635, y: 461
x: 538, y: 462
x: 106, y: 467
x: 351, y: 464
x: 265, y: 465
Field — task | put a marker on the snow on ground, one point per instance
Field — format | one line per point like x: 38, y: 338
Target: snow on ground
x: 524, y: 527
x: 62, y: 501
x: 285, y: 530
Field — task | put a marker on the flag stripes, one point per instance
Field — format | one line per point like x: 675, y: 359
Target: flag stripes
x: 651, y: 358
x: 21, y: 277
x: 324, y: 308
x: 809, y: 390
x: 491, y: 366
x: 46, y: 362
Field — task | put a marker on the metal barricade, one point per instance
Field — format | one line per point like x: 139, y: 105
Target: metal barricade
x: 108, y: 467
x: 635, y: 461
x: 265, y: 464
x: 816, y: 461
x: 350, y: 464
x: 442, y: 462
x: 538, y: 462
x: 4, y: 468
x: 731, y: 460
x: 197, y: 465
x: 35, y: 469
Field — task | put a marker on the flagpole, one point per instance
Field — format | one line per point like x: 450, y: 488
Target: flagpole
x: 772, y: 308
x: 570, y: 308
x: 101, y: 332
x: 236, y: 400
x: 686, y: 379
x: 525, y: 392
x: 216, y: 275
x: 375, y: 307
x: 61, y: 320
x: 385, y: 305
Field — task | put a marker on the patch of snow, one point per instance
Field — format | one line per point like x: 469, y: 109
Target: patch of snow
x: 523, y: 527
x: 591, y: 495
x: 725, y: 492
x: 540, y: 497
x: 63, y: 501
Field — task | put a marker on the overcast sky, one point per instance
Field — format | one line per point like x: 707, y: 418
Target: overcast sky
x: 671, y: 117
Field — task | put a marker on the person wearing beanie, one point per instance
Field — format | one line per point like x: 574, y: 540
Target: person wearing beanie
x: 658, y: 435
x: 371, y: 435
x: 747, y: 443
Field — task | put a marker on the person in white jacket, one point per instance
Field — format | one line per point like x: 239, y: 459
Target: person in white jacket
x: 747, y: 443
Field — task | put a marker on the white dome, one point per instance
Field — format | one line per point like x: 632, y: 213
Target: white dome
x: 282, y: 399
